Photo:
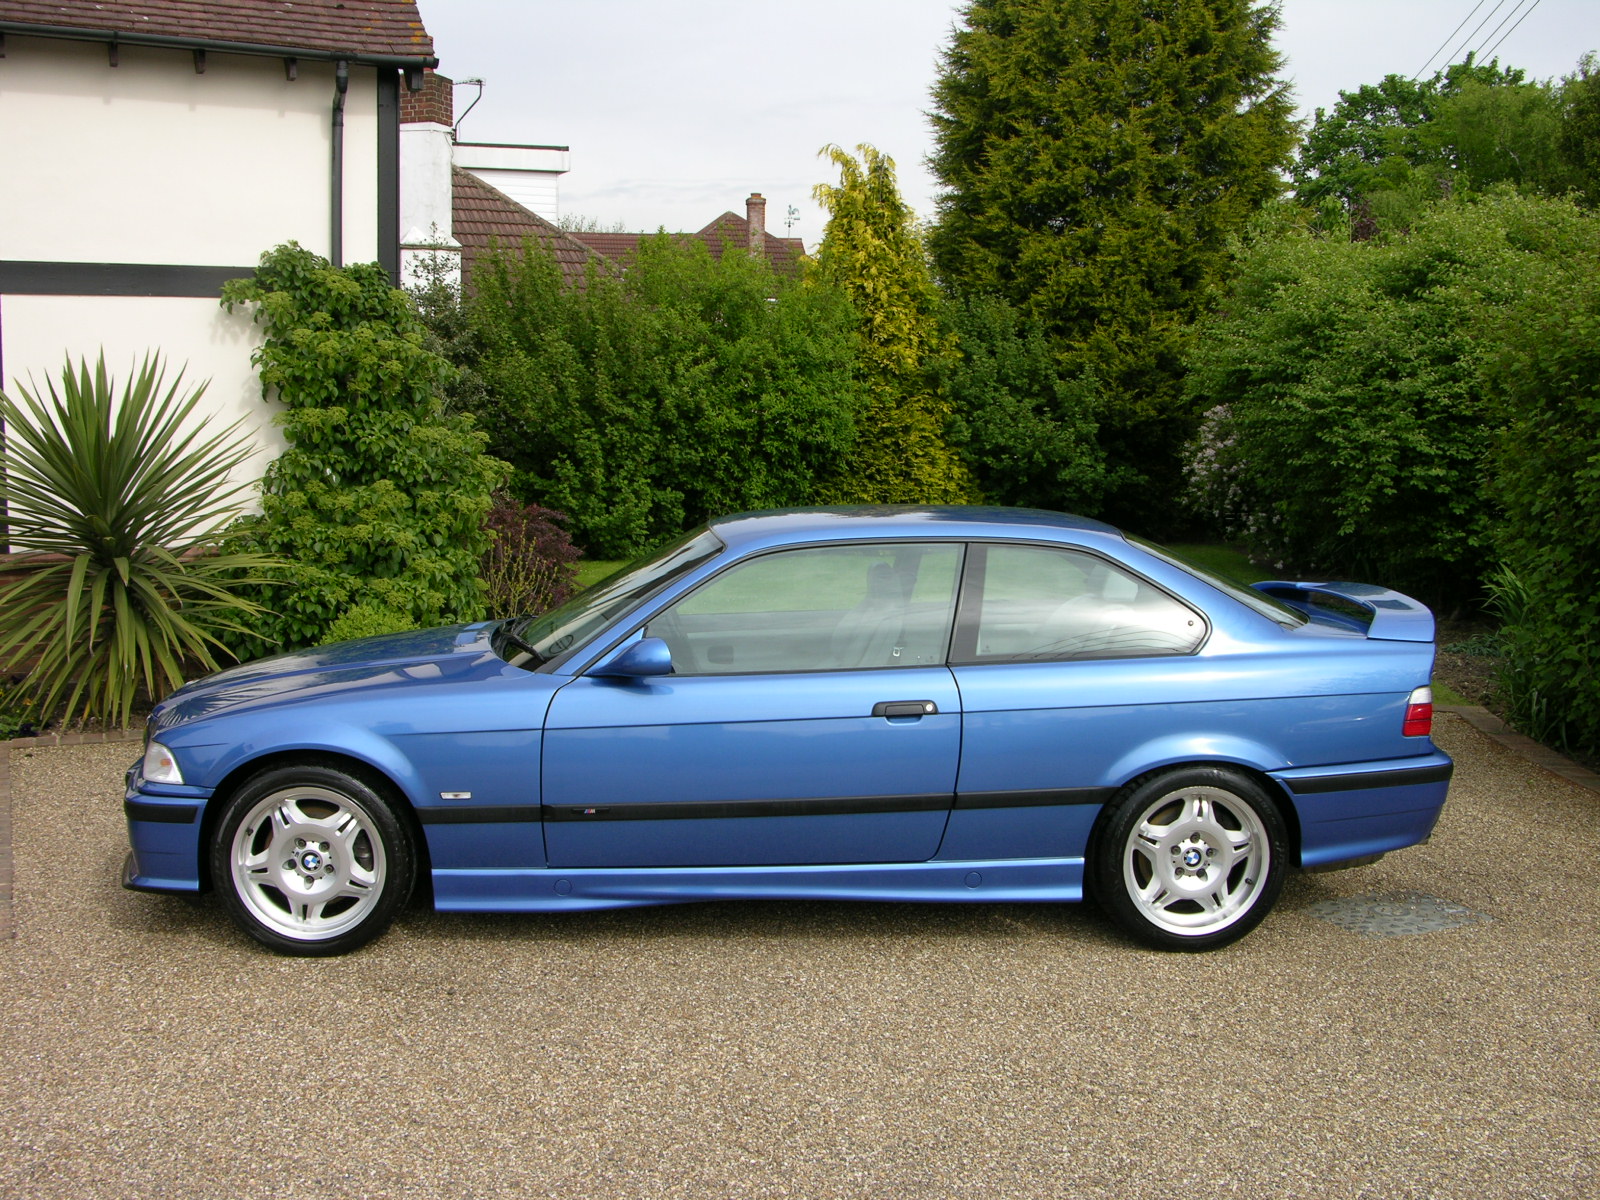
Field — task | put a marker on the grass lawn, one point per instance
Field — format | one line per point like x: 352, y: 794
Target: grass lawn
x: 593, y: 570
x: 1224, y: 560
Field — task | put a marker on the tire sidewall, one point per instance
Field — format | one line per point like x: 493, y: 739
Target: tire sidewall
x: 1109, y: 845
x: 399, y: 855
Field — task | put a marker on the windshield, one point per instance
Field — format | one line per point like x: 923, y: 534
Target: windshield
x: 540, y: 639
x: 1259, y: 601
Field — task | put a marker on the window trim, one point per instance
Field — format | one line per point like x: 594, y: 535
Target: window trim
x: 964, y: 637
x: 962, y: 547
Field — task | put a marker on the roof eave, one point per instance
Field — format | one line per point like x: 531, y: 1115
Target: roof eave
x: 400, y: 62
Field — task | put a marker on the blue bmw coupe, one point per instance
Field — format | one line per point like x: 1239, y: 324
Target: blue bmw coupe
x: 911, y: 704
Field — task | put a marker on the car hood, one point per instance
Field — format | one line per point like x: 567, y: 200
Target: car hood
x: 393, y: 660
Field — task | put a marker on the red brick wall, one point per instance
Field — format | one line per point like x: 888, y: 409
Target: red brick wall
x: 435, y: 102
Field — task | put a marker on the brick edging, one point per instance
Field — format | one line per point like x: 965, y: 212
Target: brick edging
x: 8, y: 923
x: 1492, y: 727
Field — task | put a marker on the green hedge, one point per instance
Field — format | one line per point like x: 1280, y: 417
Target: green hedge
x: 1349, y: 417
x: 1547, y: 482
x: 643, y: 402
x: 379, y: 501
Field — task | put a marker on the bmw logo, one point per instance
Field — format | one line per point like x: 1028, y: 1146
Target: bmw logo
x: 311, y: 861
x: 1192, y: 858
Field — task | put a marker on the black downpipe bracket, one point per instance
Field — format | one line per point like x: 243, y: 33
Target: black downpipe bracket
x: 341, y: 85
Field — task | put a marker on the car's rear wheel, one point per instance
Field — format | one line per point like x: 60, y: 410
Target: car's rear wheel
x: 1190, y: 859
x: 312, y: 860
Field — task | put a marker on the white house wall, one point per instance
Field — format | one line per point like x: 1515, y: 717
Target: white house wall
x: 139, y: 187
x: 150, y: 162
x: 196, y: 335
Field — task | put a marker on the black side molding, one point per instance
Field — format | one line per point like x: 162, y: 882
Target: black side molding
x: 1361, y: 780
x: 704, y: 811
x: 165, y: 814
x: 477, y: 814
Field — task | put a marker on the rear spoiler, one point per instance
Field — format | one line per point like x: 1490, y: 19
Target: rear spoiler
x: 1375, y: 611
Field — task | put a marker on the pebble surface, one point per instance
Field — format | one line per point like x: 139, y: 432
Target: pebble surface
x: 771, y: 1050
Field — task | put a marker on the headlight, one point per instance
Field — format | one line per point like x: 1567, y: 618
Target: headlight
x: 159, y: 765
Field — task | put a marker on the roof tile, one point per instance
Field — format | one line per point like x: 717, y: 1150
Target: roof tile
x: 485, y: 219
x: 378, y: 27
x: 727, y: 230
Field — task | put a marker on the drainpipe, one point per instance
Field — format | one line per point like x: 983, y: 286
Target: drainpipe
x: 341, y: 85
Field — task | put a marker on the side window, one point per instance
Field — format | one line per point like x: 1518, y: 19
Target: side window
x: 824, y: 608
x: 1028, y: 603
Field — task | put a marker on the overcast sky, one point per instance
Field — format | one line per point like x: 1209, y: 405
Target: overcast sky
x: 676, y: 112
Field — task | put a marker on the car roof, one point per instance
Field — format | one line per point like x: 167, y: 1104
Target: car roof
x: 848, y: 522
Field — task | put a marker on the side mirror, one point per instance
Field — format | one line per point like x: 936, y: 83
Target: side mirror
x: 643, y: 659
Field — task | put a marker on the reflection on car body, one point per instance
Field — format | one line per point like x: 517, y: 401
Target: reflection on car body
x: 942, y: 704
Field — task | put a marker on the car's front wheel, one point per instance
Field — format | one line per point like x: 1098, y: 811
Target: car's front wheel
x: 1190, y: 859
x: 312, y: 860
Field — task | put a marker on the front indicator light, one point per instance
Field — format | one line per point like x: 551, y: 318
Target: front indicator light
x: 159, y: 765
x: 1419, y: 713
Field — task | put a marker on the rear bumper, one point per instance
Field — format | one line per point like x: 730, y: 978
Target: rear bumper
x: 1362, y: 809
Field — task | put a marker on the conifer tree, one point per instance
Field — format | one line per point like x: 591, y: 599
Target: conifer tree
x: 870, y: 250
x: 1097, y: 156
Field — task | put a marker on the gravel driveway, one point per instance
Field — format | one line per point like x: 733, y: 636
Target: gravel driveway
x: 814, y: 1050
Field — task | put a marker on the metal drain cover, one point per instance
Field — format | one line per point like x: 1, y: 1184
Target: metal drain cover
x: 1394, y: 913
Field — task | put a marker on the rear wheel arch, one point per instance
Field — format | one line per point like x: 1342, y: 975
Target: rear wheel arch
x: 1232, y: 838
x: 1274, y: 791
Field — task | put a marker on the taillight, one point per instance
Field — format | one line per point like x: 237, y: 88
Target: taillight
x: 1419, y: 713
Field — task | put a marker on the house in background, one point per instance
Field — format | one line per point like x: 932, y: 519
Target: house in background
x: 497, y: 195
x: 459, y: 200
x: 729, y: 231
x: 155, y: 149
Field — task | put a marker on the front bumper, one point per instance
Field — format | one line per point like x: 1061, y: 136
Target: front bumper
x: 164, y: 836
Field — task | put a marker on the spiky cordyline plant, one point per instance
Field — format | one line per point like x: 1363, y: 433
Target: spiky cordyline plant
x: 112, y: 502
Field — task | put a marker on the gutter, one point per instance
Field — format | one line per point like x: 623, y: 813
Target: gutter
x: 411, y: 64
x: 341, y: 84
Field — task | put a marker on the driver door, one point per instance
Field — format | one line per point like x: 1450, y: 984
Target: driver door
x: 810, y: 719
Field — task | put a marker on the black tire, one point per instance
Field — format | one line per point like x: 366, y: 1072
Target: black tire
x: 312, y: 860
x: 1190, y: 859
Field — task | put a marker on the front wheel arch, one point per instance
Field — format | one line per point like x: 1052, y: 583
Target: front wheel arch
x: 374, y: 778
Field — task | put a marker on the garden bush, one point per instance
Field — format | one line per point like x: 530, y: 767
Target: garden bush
x: 530, y: 565
x: 379, y: 500
x: 1349, y: 420
x: 640, y: 403
x: 1546, y: 479
x: 1025, y: 428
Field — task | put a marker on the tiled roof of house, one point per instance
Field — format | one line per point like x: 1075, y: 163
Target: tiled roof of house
x: 730, y: 229
x: 361, y: 27
x: 727, y: 230
x: 486, y: 218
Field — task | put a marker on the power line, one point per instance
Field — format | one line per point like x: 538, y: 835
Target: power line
x: 1509, y: 32
x: 1446, y: 41
x: 1456, y: 57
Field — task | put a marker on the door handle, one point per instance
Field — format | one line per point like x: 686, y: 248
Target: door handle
x: 904, y: 708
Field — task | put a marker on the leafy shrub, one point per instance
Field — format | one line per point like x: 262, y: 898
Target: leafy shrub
x: 1349, y: 420
x: 529, y: 567
x: 380, y: 497
x: 121, y: 498
x: 1025, y: 428
x: 644, y: 402
x: 367, y: 620
x: 1546, y: 478
x: 19, y: 715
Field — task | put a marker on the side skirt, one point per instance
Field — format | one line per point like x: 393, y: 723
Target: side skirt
x: 555, y: 889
